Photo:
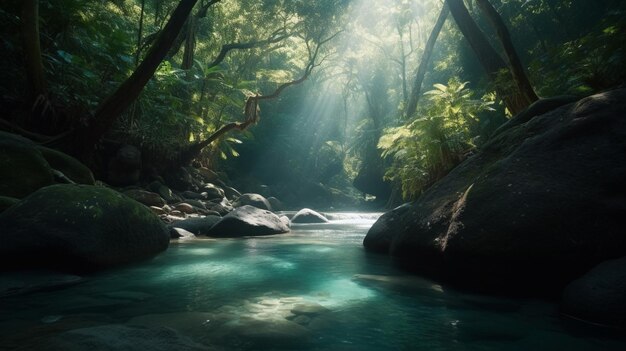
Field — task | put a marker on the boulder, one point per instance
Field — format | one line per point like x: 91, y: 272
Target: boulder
x: 180, y: 233
x: 213, y: 192
x: 125, y: 167
x: 538, y: 205
x: 69, y: 166
x: 121, y: 337
x: 231, y: 193
x: 222, y: 207
x: 145, y: 197
x: 276, y: 204
x: 185, y: 208
x: 163, y: 191
x: 23, y: 169
x: 78, y: 227
x: 307, y: 215
x: 197, y: 225
x: 256, y: 200
x: 248, y: 221
x: 599, y: 296
x: 6, y: 202
x: 381, y: 234
x: 208, y: 175
x: 193, y: 195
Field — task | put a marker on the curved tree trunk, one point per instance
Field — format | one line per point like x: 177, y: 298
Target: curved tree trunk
x: 487, y: 56
x: 112, y: 108
x: 416, y: 91
x: 32, y: 49
x: 517, y: 69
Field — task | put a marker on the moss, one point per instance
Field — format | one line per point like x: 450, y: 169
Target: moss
x: 69, y: 166
x: 23, y: 169
x: 6, y: 202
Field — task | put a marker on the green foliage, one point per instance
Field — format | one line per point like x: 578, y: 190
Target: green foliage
x: 425, y: 149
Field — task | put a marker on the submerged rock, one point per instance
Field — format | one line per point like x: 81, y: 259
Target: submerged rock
x: 248, y: 221
x: 599, y: 296
x: 538, y: 205
x: 77, y: 227
x: 307, y: 215
x: 122, y: 337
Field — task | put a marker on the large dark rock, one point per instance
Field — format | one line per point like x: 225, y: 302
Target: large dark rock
x: 599, y: 296
x: 307, y: 215
x: 145, y: 197
x: 77, y: 227
x: 6, y: 202
x: 69, y: 166
x: 198, y: 225
x: 23, y: 169
x: 538, y: 205
x: 248, y: 221
x: 120, y: 337
x: 256, y: 200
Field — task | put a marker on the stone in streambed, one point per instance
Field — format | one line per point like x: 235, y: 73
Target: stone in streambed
x: 197, y: 225
x: 145, y: 197
x: 256, y: 200
x: 307, y: 215
x: 248, y: 221
x: 77, y: 227
x: 599, y: 296
x: 538, y: 205
x: 23, y: 169
x: 121, y: 337
x: 6, y: 202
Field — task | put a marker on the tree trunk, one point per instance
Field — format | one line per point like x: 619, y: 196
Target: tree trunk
x: 487, y: 56
x: 112, y: 108
x: 416, y: 91
x: 32, y: 49
x: 517, y: 69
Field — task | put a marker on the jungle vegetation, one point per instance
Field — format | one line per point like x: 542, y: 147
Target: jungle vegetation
x: 386, y: 95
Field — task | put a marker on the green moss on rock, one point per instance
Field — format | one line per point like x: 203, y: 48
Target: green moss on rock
x: 77, y: 227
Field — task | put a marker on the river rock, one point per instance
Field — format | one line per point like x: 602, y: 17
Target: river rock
x: 180, y: 233
x: 78, y: 227
x: 276, y: 204
x: 185, y: 208
x: 6, y: 202
x: 208, y: 175
x: 307, y: 215
x: 163, y: 191
x: 538, y: 205
x: 599, y: 296
x: 212, y: 191
x: 23, y: 169
x: 145, y: 197
x: 122, y: 337
x: 248, y: 221
x: 69, y: 166
x: 256, y: 200
x: 197, y: 225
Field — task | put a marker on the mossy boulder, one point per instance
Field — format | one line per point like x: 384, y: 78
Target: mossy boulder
x: 23, y: 169
x: 26, y: 166
x: 77, y: 227
x: 69, y: 166
x: 538, y: 205
x: 6, y: 202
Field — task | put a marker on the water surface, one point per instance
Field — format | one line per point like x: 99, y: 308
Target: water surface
x: 313, y: 289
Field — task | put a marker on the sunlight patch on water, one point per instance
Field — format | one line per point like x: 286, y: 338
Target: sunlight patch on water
x: 338, y: 293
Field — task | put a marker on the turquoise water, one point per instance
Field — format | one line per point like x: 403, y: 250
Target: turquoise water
x: 313, y: 289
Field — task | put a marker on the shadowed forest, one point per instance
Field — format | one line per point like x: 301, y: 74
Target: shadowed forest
x: 467, y: 156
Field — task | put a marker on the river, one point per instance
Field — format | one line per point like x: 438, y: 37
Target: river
x: 313, y: 289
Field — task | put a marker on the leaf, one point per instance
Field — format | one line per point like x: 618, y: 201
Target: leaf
x: 66, y: 56
x: 441, y: 87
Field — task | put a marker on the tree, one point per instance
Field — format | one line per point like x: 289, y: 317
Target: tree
x: 112, y: 107
x: 491, y: 61
x: 421, y: 70
x: 517, y: 69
